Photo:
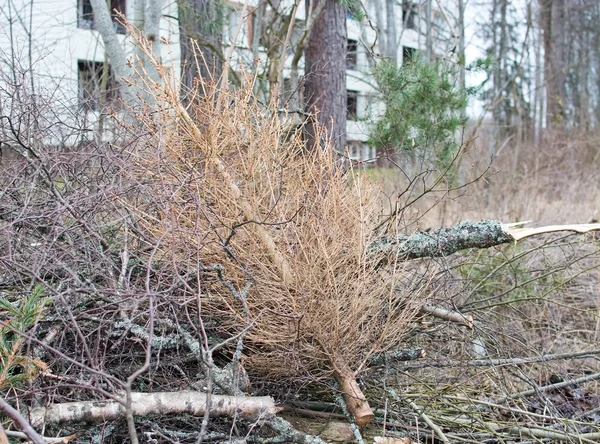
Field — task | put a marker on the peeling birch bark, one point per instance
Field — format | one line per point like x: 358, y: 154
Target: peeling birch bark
x: 163, y: 403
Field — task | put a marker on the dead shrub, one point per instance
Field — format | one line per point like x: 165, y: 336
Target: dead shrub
x: 285, y: 229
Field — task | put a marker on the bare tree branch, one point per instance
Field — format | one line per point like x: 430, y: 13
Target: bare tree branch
x: 466, y: 234
x: 21, y: 422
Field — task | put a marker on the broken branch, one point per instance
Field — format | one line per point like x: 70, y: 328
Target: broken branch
x: 466, y: 234
x: 447, y: 315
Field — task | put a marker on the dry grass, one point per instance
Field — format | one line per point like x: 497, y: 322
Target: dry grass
x: 538, y: 297
x: 552, y: 182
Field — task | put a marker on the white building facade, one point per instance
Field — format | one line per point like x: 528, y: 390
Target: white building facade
x: 56, y: 40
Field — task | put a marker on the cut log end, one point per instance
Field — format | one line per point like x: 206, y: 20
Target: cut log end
x: 356, y: 402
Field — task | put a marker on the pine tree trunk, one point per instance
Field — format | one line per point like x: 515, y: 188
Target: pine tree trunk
x: 325, y: 83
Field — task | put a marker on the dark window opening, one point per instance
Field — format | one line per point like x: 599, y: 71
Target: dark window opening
x: 408, y: 54
x: 352, y: 55
x: 95, y: 89
x: 85, y: 14
x: 409, y: 15
x: 352, y: 104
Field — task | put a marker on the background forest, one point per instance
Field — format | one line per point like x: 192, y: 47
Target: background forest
x: 252, y: 222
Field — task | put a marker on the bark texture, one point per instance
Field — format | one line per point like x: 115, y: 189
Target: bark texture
x: 201, y: 24
x: 143, y: 404
x: 552, y: 17
x: 325, y: 67
x: 466, y: 234
x: 444, y: 241
x: 113, y: 48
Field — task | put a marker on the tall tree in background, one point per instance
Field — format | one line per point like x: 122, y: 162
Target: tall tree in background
x: 507, y: 95
x: 147, y: 19
x: 552, y: 21
x: 325, y: 68
x: 201, y: 24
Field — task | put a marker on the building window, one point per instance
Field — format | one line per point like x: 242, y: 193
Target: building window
x: 408, y: 54
x: 354, y: 150
x: 409, y: 15
x: 361, y: 152
x: 352, y: 54
x: 85, y: 14
x: 94, y: 88
x: 352, y: 104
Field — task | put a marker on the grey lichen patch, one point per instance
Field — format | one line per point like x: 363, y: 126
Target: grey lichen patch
x: 396, y: 356
x: 168, y: 341
x: 289, y: 434
x: 444, y: 241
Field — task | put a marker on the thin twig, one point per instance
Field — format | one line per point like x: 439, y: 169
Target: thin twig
x: 497, y: 362
x: 433, y: 426
x: 447, y: 315
x: 550, y: 387
x: 23, y: 424
x: 47, y: 439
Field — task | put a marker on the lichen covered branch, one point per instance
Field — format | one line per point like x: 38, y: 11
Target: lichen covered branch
x: 443, y: 242
x: 464, y: 235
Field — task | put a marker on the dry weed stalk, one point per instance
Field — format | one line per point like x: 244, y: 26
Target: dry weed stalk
x: 233, y: 188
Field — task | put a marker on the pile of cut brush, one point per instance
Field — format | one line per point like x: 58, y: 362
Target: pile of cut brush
x: 152, y: 278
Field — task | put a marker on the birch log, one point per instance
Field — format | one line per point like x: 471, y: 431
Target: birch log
x: 163, y: 403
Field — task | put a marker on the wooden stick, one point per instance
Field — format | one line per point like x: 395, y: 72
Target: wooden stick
x: 48, y: 439
x: 432, y: 425
x: 497, y: 362
x: 21, y: 422
x: 447, y: 315
x: 522, y: 233
x: 356, y: 402
x: 464, y: 235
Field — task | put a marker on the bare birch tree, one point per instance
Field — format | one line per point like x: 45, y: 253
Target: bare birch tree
x: 117, y: 54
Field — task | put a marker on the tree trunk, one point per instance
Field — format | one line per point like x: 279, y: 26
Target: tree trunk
x: 152, y: 16
x: 390, y: 33
x: 115, y: 51
x: 381, y: 34
x: 552, y: 22
x: 325, y: 66
x: 200, y: 23
x: 461, y: 46
x: 428, y: 32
